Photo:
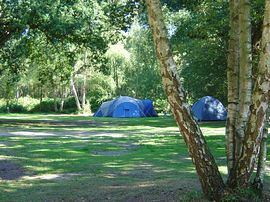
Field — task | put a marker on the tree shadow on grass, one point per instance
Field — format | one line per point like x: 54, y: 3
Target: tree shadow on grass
x: 10, y: 170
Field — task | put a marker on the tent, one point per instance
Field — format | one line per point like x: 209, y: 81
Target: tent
x: 125, y: 106
x: 209, y: 109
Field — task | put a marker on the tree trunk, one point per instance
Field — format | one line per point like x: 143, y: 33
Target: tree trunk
x: 41, y: 94
x: 233, y: 90
x: 55, y: 100
x: 84, y: 92
x: 210, y: 178
x: 260, y: 98
x: 78, y: 104
x: 242, y: 79
x: 245, y: 72
x: 63, y: 96
x: 258, y: 181
x: 17, y: 93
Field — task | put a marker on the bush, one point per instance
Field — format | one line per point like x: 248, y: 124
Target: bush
x: 22, y: 105
x: 45, y: 106
x: 161, y: 106
x: 101, y: 88
x: 28, y: 103
x: 16, y: 108
x: 32, y: 105
x: 70, y: 105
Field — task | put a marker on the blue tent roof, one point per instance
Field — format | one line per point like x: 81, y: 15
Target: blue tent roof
x: 125, y: 106
x: 209, y: 109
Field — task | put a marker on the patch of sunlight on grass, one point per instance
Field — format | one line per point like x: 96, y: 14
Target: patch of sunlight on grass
x: 74, y: 152
x: 37, y: 168
x: 57, y: 176
x: 28, y: 133
x: 50, y: 160
x: 41, y: 150
x: 113, y: 165
x: 8, y: 190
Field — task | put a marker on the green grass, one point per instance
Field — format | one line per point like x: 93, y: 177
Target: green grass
x: 81, y: 158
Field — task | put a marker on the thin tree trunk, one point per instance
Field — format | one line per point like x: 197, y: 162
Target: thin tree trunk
x: 55, y: 99
x: 84, y: 92
x: 210, y: 178
x: 116, y: 77
x: 63, y: 96
x: 242, y: 81
x: 233, y: 90
x: 78, y: 104
x: 260, y: 100
x: 245, y: 72
x: 41, y: 94
x: 17, y: 93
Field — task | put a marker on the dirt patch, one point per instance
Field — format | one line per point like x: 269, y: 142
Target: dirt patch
x: 9, y: 170
x: 110, y: 153
x: 53, y: 123
x: 126, y: 148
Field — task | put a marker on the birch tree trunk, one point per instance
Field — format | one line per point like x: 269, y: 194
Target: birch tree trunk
x: 63, y: 96
x: 55, y: 99
x: 258, y: 181
x: 233, y: 89
x: 84, y: 80
x: 260, y: 100
x: 203, y: 160
x: 245, y: 72
x: 78, y: 104
x: 84, y: 92
x: 239, y: 81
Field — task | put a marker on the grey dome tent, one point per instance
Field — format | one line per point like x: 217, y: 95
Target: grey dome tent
x: 125, y: 106
x: 209, y: 109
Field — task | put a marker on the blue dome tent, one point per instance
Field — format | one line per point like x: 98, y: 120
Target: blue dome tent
x: 125, y: 106
x: 149, y: 108
x: 209, y: 109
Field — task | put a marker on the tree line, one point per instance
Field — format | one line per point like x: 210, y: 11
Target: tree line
x: 94, y: 51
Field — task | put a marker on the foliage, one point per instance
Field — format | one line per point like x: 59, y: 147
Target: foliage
x: 199, y: 37
x: 23, y: 104
x: 30, y: 105
x: 101, y: 88
x: 142, y: 76
x: 242, y: 195
x: 162, y: 106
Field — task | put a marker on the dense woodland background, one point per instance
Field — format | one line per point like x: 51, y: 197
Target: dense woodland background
x: 70, y: 56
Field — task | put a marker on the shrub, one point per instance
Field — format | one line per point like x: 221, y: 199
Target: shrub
x: 161, y: 106
x: 22, y: 105
x: 45, y: 106
x: 70, y: 105
x: 28, y: 103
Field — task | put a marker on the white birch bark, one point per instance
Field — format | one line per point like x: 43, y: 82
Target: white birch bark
x: 245, y: 71
x: 78, y: 104
x: 260, y: 100
x: 210, y: 178
x: 258, y: 181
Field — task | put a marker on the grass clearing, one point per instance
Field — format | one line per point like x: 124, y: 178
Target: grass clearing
x: 81, y: 158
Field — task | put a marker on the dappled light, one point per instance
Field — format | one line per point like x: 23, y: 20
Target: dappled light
x: 138, y: 156
x: 133, y: 154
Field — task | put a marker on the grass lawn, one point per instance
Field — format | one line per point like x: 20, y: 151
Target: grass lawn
x: 81, y: 158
